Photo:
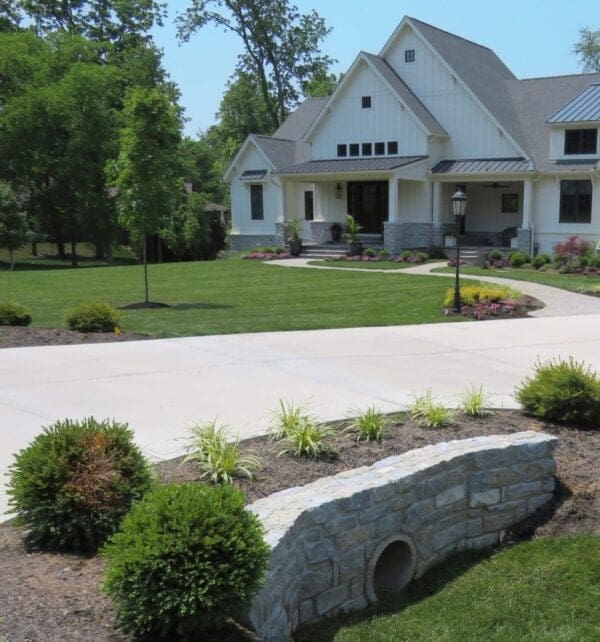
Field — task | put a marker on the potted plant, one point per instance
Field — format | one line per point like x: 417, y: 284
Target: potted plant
x: 292, y: 233
x: 336, y: 230
x: 352, y: 230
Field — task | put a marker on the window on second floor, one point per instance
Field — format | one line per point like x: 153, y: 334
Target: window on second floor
x: 256, y: 202
x: 409, y: 55
x: 367, y: 149
x: 379, y: 149
x: 354, y: 149
x: 392, y: 147
x: 366, y: 102
x: 581, y: 141
x: 342, y: 151
x: 575, y: 202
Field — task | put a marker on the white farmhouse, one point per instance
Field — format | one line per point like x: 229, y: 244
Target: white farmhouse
x: 405, y: 128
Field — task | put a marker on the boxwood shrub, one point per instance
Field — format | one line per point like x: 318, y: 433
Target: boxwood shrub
x: 187, y: 558
x: 14, y: 314
x: 564, y: 391
x: 93, y: 317
x: 74, y: 482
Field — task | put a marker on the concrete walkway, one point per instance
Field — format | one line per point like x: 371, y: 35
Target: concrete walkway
x: 164, y: 386
x: 557, y: 302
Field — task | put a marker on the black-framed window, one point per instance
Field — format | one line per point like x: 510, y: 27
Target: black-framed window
x: 581, y: 141
x: 575, y: 202
x: 379, y: 149
x: 366, y: 102
x: 510, y: 204
x: 256, y: 202
x: 409, y: 55
x: 354, y: 149
x: 342, y: 150
x: 392, y: 147
x: 309, y: 205
x: 367, y: 149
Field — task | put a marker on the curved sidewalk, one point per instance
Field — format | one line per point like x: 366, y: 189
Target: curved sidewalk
x: 558, y: 303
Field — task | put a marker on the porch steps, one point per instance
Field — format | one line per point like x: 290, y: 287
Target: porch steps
x: 323, y: 251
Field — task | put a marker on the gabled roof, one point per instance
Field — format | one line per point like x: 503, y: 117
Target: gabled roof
x: 301, y: 119
x: 350, y: 165
x: 279, y: 151
x: 395, y: 85
x: 478, y: 68
x: 535, y: 100
x: 583, y: 108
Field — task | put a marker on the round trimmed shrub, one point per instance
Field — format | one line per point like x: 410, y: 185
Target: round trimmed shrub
x: 370, y: 252
x: 538, y: 261
x: 516, y: 259
x: 74, y: 482
x: 565, y: 391
x: 495, y: 255
x: 187, y: 557
x: 93, y: 317
x: 14, y: 314
x: 594, y: 262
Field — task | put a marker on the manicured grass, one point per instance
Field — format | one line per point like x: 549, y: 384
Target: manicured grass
x: 573, y: 282
x: 230, y: 296
x: 546, y: 590
x: 363, y: 265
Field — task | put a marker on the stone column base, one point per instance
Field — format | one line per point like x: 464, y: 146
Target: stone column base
x: 280, y: 234
x: 407, y: 236
x: 524, y: 240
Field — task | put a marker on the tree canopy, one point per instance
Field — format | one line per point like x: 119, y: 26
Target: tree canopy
x: 281, y: 45
x: 587, y: 49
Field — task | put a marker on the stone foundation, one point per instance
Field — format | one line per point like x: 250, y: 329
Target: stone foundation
x: 524, y: 240
x: 239, y: 242
x: 407, y: 236
x: 341, y: 541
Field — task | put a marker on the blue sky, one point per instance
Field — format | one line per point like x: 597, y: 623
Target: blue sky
x: 533, y: 37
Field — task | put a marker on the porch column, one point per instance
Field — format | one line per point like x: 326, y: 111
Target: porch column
x: 317, y: 202
x: 282, y: 200
x: 527, y: 201
x: 393, y: 200
x: 437, y: 204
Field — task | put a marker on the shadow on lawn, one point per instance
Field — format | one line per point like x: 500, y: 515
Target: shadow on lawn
x: 436, y: 578
x: 51, y: 263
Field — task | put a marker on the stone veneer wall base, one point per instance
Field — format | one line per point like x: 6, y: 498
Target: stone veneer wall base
x: 239, y: 242
x: 338, y: 540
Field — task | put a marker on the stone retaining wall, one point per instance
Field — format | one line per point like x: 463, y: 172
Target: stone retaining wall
x: 340, y: 542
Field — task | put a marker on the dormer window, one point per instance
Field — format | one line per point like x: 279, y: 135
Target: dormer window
x: 409, y: 55
x: 366, y: 102
x: 581, y: 141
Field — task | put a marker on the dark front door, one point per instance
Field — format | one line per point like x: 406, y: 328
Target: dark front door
x: 368, y: 203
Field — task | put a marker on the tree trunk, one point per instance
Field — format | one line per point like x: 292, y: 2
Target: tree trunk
x: 159, y: 249
x: 73, y: 254
x: 145, y: 259
x: 60, y: 250
x: 12, y: 259
x: 100, y: 254
x: 109, y: 255
x: 34, y: 251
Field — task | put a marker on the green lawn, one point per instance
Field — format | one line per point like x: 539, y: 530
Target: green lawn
x: 573, y: 282
x: 232, y: 295
x: 366, y: 265
x: 547, y: 590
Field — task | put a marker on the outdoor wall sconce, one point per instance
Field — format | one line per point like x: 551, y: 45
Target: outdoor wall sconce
x: 338, y: 191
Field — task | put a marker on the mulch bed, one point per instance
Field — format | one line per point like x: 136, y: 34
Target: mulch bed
x: 19, y: 337
x: 53, y: 597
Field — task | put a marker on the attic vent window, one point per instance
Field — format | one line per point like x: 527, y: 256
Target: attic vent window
x: 409, y: 55
x: 366, y: 102
x: 253, y: 174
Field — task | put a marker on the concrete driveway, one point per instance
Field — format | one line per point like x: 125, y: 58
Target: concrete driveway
x: 162, y: 387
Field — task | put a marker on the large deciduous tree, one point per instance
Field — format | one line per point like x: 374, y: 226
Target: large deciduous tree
x: 587, y: 49
x: 148, y: 169
x: 281, y: 45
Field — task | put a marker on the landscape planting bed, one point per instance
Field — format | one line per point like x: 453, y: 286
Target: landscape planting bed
x: 55, y: 597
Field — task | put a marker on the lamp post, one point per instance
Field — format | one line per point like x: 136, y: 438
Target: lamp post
x: 459, y: 205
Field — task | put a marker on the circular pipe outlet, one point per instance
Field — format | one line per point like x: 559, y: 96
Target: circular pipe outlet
x: 391, y: 567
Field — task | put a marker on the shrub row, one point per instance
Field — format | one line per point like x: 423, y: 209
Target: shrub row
x: 86, y: 317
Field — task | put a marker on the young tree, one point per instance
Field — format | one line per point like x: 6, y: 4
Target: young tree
x: 588, y: 49
x: 147, y: 170
x: 13, y: 223
x: 281, y: 46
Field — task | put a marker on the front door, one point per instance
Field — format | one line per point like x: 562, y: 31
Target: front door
x: 368, y: 203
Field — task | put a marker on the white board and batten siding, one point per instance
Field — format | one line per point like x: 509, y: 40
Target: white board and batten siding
x: 472, y: 133
x: 242, y: 222
x: 386, y: 120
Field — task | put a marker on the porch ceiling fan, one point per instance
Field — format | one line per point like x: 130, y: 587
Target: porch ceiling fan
x: 496, y: 185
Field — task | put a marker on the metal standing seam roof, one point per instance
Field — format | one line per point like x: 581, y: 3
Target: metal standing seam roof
x: 583, y: 108
x: 350, y: 165
x: 483, y: 166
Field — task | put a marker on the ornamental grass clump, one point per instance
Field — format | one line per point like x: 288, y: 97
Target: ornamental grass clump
x: 75, y: 481
x: 366, y: 425
x: 564, y: 391
x: 187, y: 558
x: 218, y: 454
x: 93, y: 317
x: 14, y: 314
x: 309, y: 439
x: 286, y: 419
x: 428, y: 413
x: 473, y: 402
